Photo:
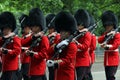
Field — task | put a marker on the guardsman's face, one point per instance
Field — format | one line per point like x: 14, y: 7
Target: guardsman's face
x: 64, y: 34
x: 51, y: 30
x: 26, y: 30
x: 6, y: 31
x: 35, y: 29
x: 108, y: 28
x: 80, y: 27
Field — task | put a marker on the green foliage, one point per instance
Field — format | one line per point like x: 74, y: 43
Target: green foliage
x: 95, y: 7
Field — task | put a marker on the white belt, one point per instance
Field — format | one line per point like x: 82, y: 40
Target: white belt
x: 116, y: 50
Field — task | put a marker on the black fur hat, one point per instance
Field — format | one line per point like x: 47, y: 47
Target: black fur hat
x: 7, y: 19
x: 24, y: 21
x: 50, y: 20
x: 64, y: 21
x: 109, y: 18
x: 92, y: 20
x: 82, y: 18
x: 36, y: 18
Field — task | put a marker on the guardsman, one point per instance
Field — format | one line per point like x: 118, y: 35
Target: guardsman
x: 92, y: 49
x: 52, y: 34
x: 37, y: 53
x: 25, y: 60
x: 83, y: 44
x: 111, y: 55
x: 53, y: 37
x: 12, y: 50
x: 64, y: 63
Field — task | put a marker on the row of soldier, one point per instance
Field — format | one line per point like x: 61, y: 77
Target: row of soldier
x: 67, y: 57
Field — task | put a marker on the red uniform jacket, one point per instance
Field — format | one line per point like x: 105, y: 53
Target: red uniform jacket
x: 37, y: 62
x: 66, y: 68
x: 24, y: 58
x: 92, y: 48
x: 56, y: 40
x: 111, y: 56
x: 10, y: 60
x: 83, y: 57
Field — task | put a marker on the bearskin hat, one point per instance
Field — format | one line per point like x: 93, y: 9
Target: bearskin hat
x: 82, y: 18
x: 64, y: 21
x: 50, y: 20
x: 36, y: 18
x: 24, y: 21
x: 109, y: 18
x: 92, y: 20
x: 7, y: 19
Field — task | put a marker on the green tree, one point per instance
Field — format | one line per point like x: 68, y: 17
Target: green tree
x: 94, y: 7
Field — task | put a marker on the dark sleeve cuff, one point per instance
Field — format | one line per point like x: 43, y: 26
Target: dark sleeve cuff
x: 56, y: 66
x: 31, y: 54
x: 106, y: 48
x: 5, y: 51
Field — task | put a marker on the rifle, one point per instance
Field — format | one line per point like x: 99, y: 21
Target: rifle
x: 52, y: 37
x: 34, y: 43
x: 51, y: 21
x: 93, y: 27
x: 7, y: 41
x: 110, y: 36
x: 69, y: 39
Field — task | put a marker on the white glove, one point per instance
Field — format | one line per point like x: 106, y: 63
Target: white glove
x: 9, y: 35
x: 50, y: 63
x: 52, y: 34
x: 110, y: 33
x: 39, y: 34
x: 64, y: 42
x: 83, y: 30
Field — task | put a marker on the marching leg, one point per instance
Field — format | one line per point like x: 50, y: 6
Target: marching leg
x: 110, y: 72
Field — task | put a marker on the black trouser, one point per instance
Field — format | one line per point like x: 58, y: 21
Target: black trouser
x: 51, y: 73
x: 88, y: 75
x: 19, y: 74
x: 38, y: 77
x: 24, y: 71
x: 81, y: 72
x: 44, y: 77
x: 9, y: 75
x: 110, y: 72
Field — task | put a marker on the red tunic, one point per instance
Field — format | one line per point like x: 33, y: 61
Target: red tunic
x: 83, y: 57
x: 111, y: 56
x: 66, y: 68
x: 38, y: 62
x: 24, y: 58
x: 10, y: 60
x: 56, y: 40
x: 92, y: 48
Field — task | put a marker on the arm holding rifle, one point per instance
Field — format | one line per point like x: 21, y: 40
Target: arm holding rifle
x: 8, y: 38
x: 39, y: 41
x: 57, y: 49
x: 16, y: 48
x: 115, y: 43
x: 29, y: 40
x: 105, y: 39
x: 70, y: 51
